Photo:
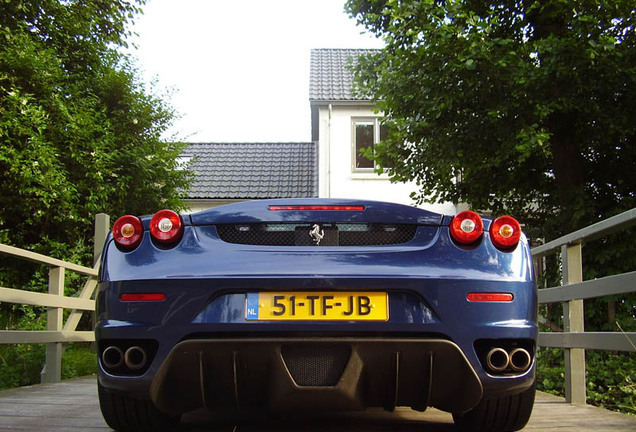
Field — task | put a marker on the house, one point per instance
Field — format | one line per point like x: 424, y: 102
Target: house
x: 231, y: 172
x: 330, y: 166
x: 343, y: 123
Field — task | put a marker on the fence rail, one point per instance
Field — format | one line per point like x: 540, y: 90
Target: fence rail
x: 573, y: 290
x: 57, y: 332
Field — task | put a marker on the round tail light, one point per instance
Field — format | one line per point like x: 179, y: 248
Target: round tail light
x: 466, y: 227
x: 166, y: 226
x: 505, y: 232
x: 128, y: 231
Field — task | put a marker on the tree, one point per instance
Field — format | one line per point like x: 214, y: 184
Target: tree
x: 79, y: 133
x: 517, y: 106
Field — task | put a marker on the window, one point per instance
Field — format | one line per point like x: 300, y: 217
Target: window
x: 366, y: 133
x: 183, y: 162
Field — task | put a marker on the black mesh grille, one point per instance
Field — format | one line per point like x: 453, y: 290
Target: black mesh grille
x: 316, y: 365
x: 309, y: 234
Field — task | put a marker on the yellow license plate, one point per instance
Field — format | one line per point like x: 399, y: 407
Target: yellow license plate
x: 317, y: 306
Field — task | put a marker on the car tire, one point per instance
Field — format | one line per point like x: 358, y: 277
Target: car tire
x: 502, y: 414
x: 124, y: 413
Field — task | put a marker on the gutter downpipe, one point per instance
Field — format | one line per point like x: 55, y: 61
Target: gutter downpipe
x: 329, y: 151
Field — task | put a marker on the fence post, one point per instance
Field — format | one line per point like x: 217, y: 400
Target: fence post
x: 52, y: 372
x: 573, y: 320
x: 102, y: 227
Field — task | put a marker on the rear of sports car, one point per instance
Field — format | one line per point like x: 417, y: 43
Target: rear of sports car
x: 316, y: 305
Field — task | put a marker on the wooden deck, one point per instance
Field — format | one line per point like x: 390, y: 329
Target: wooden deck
x: 72, y: 406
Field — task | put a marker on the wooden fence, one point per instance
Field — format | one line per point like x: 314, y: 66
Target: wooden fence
x: 573, y: 290
x: 55, y: 301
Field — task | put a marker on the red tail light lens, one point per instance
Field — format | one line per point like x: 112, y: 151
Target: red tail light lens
x: 466, y: 227
x: 166, y: 226
x: 128, y: 231
x: 505, y: 232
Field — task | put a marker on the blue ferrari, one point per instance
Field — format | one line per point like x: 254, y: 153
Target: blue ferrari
x: 316, y: 304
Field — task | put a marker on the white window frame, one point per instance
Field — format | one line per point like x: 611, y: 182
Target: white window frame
x: 376, y: 139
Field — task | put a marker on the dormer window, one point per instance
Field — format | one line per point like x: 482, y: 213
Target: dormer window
x: 367, y: 132
x: 183, y: 162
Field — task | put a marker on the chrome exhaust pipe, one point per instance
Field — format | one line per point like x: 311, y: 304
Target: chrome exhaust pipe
x: 520, y: 359
x: 135, y: 358
x: 112, y: 357
x: 497, y: 359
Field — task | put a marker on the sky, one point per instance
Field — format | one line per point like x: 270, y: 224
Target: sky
x: 238, y: 71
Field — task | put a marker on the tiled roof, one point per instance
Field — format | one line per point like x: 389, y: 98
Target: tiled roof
x: 253, y: 170
x: 330, y: 78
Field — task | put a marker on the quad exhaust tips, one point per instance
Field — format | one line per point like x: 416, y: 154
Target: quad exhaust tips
x: 114, y: 358
x: 499, y: 360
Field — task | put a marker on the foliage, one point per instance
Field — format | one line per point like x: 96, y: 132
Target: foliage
x: 79, y: 134
x: 514, y: 106
x: 551, y: 371
x: 611, y: 380
x: 78, y: 360
x: 608, y: 256
x: 22, y: 364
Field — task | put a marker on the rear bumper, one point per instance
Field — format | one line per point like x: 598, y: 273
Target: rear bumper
x: 202, y: 352
x: 321, y: 373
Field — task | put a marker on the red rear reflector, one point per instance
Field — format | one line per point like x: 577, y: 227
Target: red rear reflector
x: 142, y: 297
x: 489, y: 297
x: 315, y: 208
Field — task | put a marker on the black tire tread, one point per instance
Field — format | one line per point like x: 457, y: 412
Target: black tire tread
x: 124, y: 413
x: 502, y: 414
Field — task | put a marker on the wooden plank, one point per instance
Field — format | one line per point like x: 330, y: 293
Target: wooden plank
x: 66, y: 406
x: 52, y: 371
x: 43, y: 259
x: 590, y: 340
x: 599, y: 229
x: 102, y: 228
x: 573, y: 321
x: 624, y: 283
x: 73, y: 406
x: 44, y: 336
x: 10, y: 295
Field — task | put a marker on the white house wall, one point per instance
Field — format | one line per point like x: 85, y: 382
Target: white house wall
x: 336, y: 177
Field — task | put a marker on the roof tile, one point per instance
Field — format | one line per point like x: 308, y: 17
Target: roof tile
x: 330, y: 78
x: 253, y: 170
